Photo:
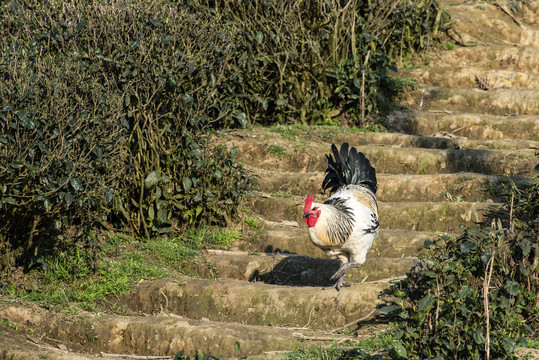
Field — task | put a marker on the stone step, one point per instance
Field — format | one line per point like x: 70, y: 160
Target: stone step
x: 497, y: 102
x: 390, y: 160
x: 295, y: 240
x: 495, y: 57
x: 420, y: 216
x: 110, y: 336
x: 471, y: 126
x: 286, y: 269
x: 486, y: 23
x: 394, y: 188
x: 472, y: 78
x: 255, y: 303
x: 435, y: 141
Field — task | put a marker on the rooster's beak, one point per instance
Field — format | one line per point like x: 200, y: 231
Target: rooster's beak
x: 306, y: 215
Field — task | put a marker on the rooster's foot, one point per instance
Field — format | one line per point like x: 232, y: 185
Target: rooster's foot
x: 339, y: 274
x: 340, y: 282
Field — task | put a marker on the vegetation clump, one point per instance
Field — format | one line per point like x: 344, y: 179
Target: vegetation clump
x: 475, y: 296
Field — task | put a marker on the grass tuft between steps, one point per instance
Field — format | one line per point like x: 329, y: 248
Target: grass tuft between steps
x: 79, y: 278
x: 371, y: 348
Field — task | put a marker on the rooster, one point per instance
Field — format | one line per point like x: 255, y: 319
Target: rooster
x: 346, y: 224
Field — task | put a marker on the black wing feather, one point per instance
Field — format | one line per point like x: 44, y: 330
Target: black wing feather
x: 348, y: 167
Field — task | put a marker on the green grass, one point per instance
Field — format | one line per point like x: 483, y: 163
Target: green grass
x: 277, y: 150
x: 253, y: 223
x: 281, y: 194
x: 363, y: 350
x: 74, y: 279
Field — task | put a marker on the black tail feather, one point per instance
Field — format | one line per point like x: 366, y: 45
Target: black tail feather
x: 348, y: 167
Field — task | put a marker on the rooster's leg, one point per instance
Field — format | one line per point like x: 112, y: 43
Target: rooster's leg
x: 339, y: 274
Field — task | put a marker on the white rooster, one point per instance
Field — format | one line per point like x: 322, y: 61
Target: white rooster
x: 345, y: 225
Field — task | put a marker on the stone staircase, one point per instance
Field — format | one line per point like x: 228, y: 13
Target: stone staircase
x: 473, y: 125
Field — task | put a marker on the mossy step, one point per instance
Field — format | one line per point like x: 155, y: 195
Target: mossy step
x: 496, y: 102
x: 420, y: 216
x: 472, y: 78
x: 429, y: 187
x: 255, y: 303
x: 164, y: 335
x: 281, y: 269
x: 489, y: 57
x: 295, y: 240
x: 472, y: 126
x: 387, y: 160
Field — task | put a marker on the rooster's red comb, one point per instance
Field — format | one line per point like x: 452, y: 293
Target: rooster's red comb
x: 308, y: 203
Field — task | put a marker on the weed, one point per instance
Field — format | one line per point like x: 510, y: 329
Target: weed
x: 450, y: 46
x: 253, y: 223
x: 450, y: 197
x: 222, y: 239
x: 277, y: 150
x: 334, y: 351
x: 280, y: 194
x: 286, y: 131
x: 9, y: 324
x: 383, y: 340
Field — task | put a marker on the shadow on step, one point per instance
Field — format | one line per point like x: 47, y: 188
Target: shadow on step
x: 299, y: 270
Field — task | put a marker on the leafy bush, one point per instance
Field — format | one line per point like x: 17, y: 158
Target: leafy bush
x: 102, y: 113
x: 294, y: 56
x: 443, y: 308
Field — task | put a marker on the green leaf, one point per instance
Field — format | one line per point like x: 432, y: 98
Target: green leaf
x: 425, y: 303
x: 10, y: 200
x: 76, y: 184
x: 524, y: 270
x: 526, y: 247
x: 47, y: 205
x: 151, y: 213
x: 108, y: 195
x: 81, y: 24
x: 68, y: 198
x: 512, y: 287
x: 467, y: 246
x: 281, y: 102
x: 17, y: 165
x: 165, y: 230
x: 485, y: 257
x: 478, y: 337
x: 162, y: 216
x: 151, y: 180
x: 259, y: 37
x: 187, y: 183
x: 509, y: 343
x: 387, y: 309
x: 401, y: 351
